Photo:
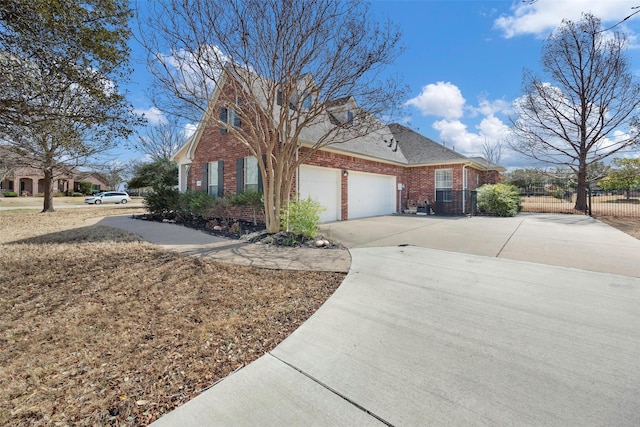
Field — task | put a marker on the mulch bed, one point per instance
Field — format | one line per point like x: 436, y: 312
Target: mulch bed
x: 241, y: 229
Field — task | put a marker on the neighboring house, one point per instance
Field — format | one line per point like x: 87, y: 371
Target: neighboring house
x: 384, y: 172
x: 28, y: 181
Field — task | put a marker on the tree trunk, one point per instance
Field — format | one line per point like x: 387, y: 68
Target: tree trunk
x: 48, y: 193
x: 581, y: 196
x: 271, y: 220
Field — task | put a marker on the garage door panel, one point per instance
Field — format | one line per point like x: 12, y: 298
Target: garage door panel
x: 323, y: 186
x: 371, y: 194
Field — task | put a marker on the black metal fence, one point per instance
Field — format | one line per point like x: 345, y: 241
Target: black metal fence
x: 454, y: 202
x: 547, y: 199
x: 563, y: 200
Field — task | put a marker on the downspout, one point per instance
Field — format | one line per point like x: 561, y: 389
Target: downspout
x: 465, y: 185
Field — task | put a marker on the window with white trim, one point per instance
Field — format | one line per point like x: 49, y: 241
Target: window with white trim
x: 231, y: 116
x: 444, y: 185
x: 213, y: 178
x: 250, y: 174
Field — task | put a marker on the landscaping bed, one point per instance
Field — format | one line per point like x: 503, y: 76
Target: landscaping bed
x: 254, y: 232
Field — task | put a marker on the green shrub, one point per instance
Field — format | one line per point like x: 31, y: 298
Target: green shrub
x: 301, y: 217
x: 162, y: 201
x: 83, y: 187
x: 10, y: 194
x: 220, y: 209
x: 77, y: 194
x: 499, y: 199
x: 247, y: 198
x: 195, y: 203
x: 252, y: 199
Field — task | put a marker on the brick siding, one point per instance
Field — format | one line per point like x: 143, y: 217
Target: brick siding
x: 419, y: 182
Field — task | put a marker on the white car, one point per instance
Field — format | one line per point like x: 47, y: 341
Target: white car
x: 108, y: 197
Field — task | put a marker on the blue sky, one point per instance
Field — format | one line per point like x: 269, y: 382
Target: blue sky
x: 463, y: 62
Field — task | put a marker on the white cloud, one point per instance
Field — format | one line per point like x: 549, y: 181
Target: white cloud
x: 488, y: 108
x: 195, y: 71
x: 153, y: 115
x: 493, y: 128
x: 189, y: 129
x: 445, y: 100
x: 442, y: 99
x: 454, y: 134
x: 543, y: 16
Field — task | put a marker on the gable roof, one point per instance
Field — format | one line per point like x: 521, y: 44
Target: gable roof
x: 488, y: 164
x: 408, y: 148
x: 419, y: 149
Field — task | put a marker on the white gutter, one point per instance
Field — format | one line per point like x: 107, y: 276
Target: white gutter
x: 465, y: 185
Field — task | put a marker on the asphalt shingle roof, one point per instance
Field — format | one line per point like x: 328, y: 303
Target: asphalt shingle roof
x: 419, y: 149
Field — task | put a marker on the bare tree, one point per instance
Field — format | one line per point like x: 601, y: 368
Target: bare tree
x: 112, y: 173
x: 7, y: 163
x: 492, y: 151
x: 286, y: 64
x: 161, y: 141
x: 571, y: 118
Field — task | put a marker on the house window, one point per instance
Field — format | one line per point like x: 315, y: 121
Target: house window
x: 213, y: 178
x: 306, y: 102
x: 250, y: 174
x: 230, y: 116
x: 444, y: 185
x: 349, y: 116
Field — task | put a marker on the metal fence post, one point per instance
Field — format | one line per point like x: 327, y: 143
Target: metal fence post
x: 474, y: 203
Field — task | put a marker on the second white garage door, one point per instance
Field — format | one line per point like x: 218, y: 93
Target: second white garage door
x: 371, y: 194
x: 323, y: 185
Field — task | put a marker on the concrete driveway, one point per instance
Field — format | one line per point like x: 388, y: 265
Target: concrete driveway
x: 576, y: 241
x: 469, y: 335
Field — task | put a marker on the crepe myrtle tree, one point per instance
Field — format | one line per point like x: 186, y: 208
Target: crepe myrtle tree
x: 286, y: 63
x: 585, y: 110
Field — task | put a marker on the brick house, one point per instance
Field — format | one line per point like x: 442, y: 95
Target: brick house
x: 28, y: 181
x: 389, y: 170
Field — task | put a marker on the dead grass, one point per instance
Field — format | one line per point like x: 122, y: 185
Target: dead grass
x: 98, y: 328
x: 38, y: 201
x: 629, y: 225
x: 606, y: 206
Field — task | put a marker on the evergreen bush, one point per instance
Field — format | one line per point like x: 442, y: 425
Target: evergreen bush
x: 162, y: 201
x: 499, y: 199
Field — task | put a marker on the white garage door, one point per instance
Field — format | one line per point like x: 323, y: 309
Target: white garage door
x: 323, y: 186
x: 371, y: 194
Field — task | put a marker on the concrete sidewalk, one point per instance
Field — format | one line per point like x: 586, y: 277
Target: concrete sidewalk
x: 418, y: 335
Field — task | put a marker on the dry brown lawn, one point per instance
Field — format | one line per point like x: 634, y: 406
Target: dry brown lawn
x: 629, y: 225
x: 99, y: 328
x: 608, y: 206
